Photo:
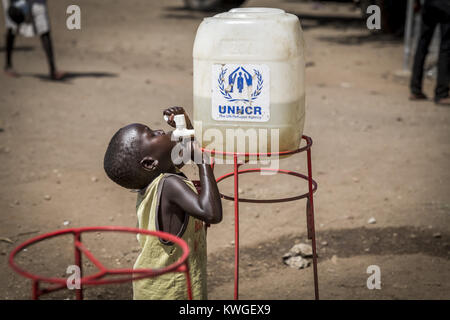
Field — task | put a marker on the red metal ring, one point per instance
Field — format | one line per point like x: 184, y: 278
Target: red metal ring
x: 95, y: 278
x: 292, y: 173
x: 282, y: 153
x: 264, y: 154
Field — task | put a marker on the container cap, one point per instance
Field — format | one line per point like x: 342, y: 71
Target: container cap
x: 254, y: 34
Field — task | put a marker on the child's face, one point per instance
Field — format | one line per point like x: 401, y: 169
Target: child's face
x: 156, y: 145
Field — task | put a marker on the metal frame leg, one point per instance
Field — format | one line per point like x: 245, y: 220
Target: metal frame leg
x: 312, y: 186
x: 78, y: 262
x: 236, y: 229
x: 35, y: 290
x: 185, y: 269
x: 311, y: 228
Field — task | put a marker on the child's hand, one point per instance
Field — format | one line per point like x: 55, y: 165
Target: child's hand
x: 171, y: 112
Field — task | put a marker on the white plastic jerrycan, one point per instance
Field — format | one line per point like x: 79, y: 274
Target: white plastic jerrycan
x: 249, y: 92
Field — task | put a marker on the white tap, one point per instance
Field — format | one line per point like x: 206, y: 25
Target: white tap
x: 180, y: 131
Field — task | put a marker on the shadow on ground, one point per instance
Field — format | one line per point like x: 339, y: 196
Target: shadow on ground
x: 358, y: 39
x: 74, y: 75
x: 344, y: 243
x: 260, y: 258
x: 19, y: 48
x: 182, y: 12
x: 310, y: 21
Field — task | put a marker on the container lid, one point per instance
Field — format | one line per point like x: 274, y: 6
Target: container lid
x: 249, y: 34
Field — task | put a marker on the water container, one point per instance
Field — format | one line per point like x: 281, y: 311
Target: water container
x: 249, y: 81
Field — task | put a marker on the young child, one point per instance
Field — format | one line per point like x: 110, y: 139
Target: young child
x: 140, y: 158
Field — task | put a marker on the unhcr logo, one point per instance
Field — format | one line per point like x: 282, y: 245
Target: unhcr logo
x: 240, y: 92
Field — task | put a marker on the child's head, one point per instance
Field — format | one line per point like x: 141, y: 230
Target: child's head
x: 136, y: 155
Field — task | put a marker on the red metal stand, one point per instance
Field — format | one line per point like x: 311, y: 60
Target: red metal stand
x: 312, y: 187
x: 96, y: 279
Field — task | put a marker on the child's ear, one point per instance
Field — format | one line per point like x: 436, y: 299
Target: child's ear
x: 149, y: 164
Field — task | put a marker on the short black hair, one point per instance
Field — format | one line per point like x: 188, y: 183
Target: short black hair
x: 122, y: 160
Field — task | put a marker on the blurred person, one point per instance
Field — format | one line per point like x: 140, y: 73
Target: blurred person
x: 433, y: 12
x: 28, y: 18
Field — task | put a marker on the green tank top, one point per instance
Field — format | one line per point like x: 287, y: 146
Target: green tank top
x: 154, y: 254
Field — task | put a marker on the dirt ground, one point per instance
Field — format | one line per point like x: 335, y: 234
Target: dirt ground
x: 375, y: 154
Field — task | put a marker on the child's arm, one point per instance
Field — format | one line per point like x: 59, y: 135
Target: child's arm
x: 205, y: 206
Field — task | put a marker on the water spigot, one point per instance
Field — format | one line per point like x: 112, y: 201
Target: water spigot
x: 180, y: 127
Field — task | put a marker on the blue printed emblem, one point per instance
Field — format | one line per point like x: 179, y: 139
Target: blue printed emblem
x: 232, y: 85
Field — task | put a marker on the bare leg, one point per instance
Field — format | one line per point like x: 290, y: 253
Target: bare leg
x: 426, y: 34
x: 10, y: 37
x: 48, y: 48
